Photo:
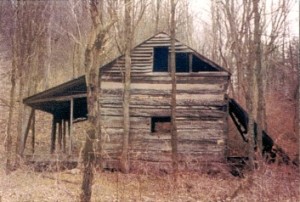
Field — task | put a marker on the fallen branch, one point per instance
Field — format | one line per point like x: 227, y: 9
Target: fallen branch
x: 60, y: 180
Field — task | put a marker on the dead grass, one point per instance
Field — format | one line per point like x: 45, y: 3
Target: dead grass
x: 273, y: 183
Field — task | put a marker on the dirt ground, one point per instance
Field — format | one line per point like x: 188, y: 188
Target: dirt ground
x: 272, y: 183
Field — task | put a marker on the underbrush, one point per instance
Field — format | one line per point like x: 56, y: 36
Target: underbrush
x: 270, y: 183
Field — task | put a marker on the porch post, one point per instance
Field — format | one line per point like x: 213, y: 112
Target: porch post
x: 64, y: 136
x: 53, y: 134
x: 71, y: 125
x: 60, y: 135
x: 33, y: 132
x: 24, y: 135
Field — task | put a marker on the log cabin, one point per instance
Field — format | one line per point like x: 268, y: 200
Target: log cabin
x: 201, y: 111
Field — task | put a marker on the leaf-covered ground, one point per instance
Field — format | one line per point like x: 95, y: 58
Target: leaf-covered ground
x: 273, y: 183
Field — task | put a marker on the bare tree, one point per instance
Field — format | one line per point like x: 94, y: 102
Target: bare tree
x: 260, y: 116
x: 31, y: 37
x: 94, y: 55
x: 158, y: 5
x: 126, y: 98
x: 174, y: 139
x: 8, y: 138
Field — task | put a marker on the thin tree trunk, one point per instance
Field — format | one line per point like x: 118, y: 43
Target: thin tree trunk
x: 250, y: 109
x: 260, y: 118
x: 126, y: 99
x: 158, y: 2
x: 173, y: 97
x: 93, y: 59
x: 8, y: 142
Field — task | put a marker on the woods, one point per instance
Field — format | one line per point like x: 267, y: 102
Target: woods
x: 146, y: 92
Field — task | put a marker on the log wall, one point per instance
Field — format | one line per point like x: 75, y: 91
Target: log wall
x: 201, y: 111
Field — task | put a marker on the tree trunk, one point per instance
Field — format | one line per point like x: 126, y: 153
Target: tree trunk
x: 92, y: 62
x: 124, y: 163
x: 173, y: 97
x: 250, y: 109
x: 260, y: 118
x: 158, y: 2
x: 8, y: 142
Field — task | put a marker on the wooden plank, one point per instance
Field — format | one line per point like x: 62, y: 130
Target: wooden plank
x: 58, y: 98
x: 208, y: 113
x: 150, y: 100
x: 136, y: 112
x: 147, y: 135
x: 164, y: 89
x: 152, y: 145
x: 200, y: 100
x: 117, y: 122
x: 199, y: 146
x: 196, y: 160
x: 162, y: 77
x: 199, y: 124
x: 150, y: 156
x: 204, y: 134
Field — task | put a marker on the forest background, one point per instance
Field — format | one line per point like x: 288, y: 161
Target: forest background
x: 43, y: 44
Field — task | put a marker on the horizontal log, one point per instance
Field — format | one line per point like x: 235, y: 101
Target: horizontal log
x: 199, y: 124
x: 147, y: 86
x: 161, y: 78
x: 188, y: 158
x: 200, y: 157
x: 160, y: 98
x: 163, y: 89
x: 150, y: 156
x: 199, y: 146
x: 117, y: 122
x: 201, y: 134
x: 159, y: 111
x: 152, y: 145
x: 147, y: 135
x: 135, y: 112
x: 217, y: 136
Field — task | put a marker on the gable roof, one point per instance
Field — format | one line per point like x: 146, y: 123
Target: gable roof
x: 163, y: 34
x: 76, y: 88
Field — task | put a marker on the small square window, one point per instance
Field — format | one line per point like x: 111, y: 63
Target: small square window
x: 161, y: 124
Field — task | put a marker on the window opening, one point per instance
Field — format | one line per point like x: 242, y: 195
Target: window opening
x: 161, y: 124
x: 200, y: 66
x: 182, y: 62
x: 160, y: 59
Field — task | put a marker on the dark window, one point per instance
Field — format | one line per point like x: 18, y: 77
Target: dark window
x: 160, y: 59
x: 161, y: 124
x: 182, y: 62
x: 201, y: 66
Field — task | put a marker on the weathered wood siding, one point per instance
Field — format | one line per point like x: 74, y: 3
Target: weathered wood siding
x: 201, y: 110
